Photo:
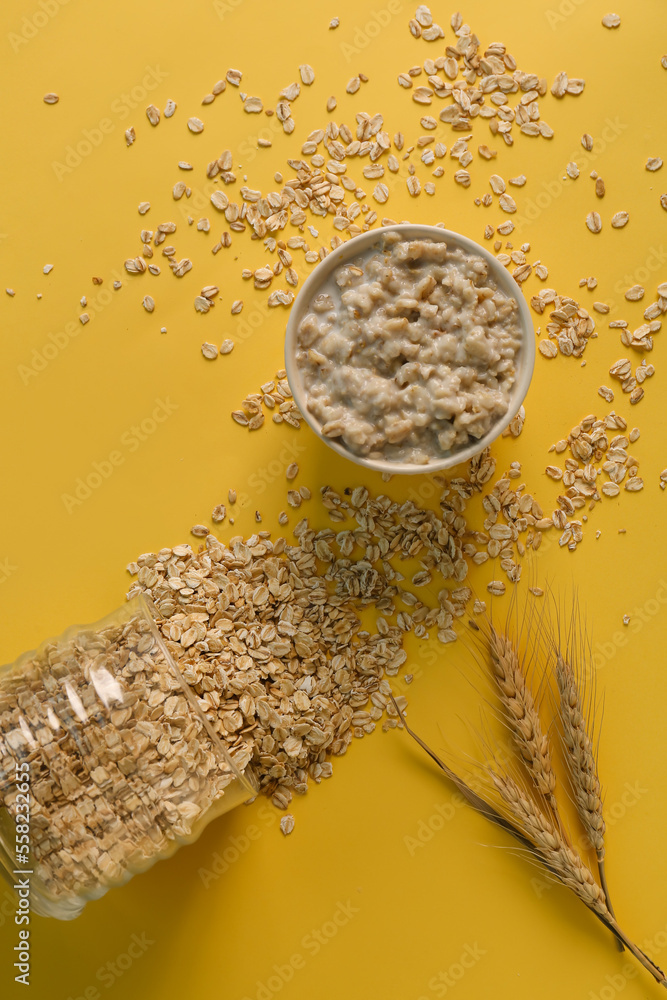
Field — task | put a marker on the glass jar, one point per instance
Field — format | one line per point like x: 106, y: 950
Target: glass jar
x: 107, y: 763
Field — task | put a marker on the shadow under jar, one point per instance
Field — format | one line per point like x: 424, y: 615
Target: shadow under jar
x: 107, y: 762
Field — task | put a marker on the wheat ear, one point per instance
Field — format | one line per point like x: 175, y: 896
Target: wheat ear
x: 581, y: 759
x: 522, y: 716
x: 540, y: 836
x: 548, y: 842
x: 564, y: 862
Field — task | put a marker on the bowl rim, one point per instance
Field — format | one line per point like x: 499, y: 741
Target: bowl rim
x: 358, y: 245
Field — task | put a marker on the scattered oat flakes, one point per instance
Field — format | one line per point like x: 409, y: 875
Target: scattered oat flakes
x: 507, y: 203
x: 51, y: 98
x: 619, y: 220
x: 219, y: 513
x: 611, y: 20
x: 413, y: 185
x: 210, y: 351
x: 253, y: 105
x: 547, y: 348
x: 292, y: 471
x: 153, y: 114
x: 559, y: 86
x: 287, y: 824
x: 130, y: 135
x: 148, y: 303
x: 594, y: 222
x: 195, y: 125
x: 653, y: 163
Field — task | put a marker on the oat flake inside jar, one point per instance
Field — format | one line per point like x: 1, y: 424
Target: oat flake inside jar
x: 122, y: 765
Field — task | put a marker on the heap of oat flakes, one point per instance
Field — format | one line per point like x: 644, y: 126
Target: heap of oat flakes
x: 268, y: 635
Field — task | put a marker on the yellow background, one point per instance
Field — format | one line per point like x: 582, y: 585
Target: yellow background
x: 416, y: 911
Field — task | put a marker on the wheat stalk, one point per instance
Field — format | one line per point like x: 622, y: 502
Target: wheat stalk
x: 538, y: 829
x: 522, y: 716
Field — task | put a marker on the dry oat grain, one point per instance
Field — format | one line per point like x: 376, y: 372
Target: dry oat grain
x: 547, y: 348
x: 594, y: 222
x: 287, y: 824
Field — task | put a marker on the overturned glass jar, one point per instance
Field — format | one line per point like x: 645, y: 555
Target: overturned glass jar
x: 107, y: 763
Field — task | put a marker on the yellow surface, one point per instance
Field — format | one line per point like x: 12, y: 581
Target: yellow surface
x: 392, y: 915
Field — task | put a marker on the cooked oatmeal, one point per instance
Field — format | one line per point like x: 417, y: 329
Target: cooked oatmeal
x: 411, y: 353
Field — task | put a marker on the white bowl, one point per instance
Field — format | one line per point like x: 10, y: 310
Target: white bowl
x: 359, y: 245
